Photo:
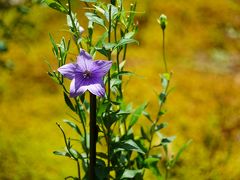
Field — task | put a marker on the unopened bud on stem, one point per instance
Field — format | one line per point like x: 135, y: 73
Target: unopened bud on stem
x: 162, y: 21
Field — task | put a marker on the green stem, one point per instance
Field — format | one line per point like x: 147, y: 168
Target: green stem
x: 82, y: 122
x: 163, y: 49
x: 166, y: 174
x: 69, y: 151
x: 110, y: 53
x: 74, y: 26
x: 161, y: 105
x: 79, y: 172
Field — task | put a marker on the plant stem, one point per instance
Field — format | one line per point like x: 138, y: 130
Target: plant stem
x: 166, y: 174
x: 163, y: 49
x: 79, y: 172
x: 110, y: 53
x: 69, y: 151
x: 74, y: 26
x: 93, y: 137
x: 82, y: 121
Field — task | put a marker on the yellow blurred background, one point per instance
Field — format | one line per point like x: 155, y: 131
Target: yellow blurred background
x: 203, y: 52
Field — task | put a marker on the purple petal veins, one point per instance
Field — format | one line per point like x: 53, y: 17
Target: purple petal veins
x: 86, y: 74
x: 68, y: 70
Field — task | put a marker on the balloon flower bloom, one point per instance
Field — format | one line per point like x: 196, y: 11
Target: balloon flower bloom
x: 86, y: 74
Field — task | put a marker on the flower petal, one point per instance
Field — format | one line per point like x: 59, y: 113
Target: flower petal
x: 100, y: 68
x: 76, y: 87
x: 96, y: 86
x: 97, y: 89
x: 68, y: 70
x: 84, y: 61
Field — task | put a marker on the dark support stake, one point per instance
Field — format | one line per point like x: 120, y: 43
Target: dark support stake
x: 93, y: 137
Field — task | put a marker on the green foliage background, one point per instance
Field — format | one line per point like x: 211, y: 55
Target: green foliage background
x: 202, y: 41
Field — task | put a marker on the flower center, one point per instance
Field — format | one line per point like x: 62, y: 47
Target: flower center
x: 87, y: 74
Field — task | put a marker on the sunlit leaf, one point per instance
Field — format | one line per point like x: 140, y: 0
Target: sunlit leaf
x: 61, y: 153
x: 128, y: 173
x: 179, y: 153
x: 136, y: 114
x: 56, y: 5
x: 73, y: 125
x: 96, y: 19
x: 124, y: 41
x: 128, y: 145
x: 152, y: 164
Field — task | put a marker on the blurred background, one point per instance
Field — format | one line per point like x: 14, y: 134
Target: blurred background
x: 203, y: 52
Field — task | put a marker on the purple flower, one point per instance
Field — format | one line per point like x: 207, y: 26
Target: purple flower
x: 86, y: 74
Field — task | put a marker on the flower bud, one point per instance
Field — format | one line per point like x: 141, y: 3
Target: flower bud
x: 162, y: 21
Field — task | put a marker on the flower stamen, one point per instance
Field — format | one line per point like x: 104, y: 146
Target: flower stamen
x: 86, y: 74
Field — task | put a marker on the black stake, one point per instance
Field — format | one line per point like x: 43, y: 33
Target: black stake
x: 93, y: 137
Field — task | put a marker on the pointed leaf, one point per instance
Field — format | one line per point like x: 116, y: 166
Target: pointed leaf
x: 61, y: 153
x: 151, y: 163
x: 167, y: 140
x: 128, y: 173
x: 74, y: 126
x: 124, y: 41
x: 56, y: 5
x: 68, y: 102
x: 96, y: 19
x: 144, y: 135
x: 137, y: 114
x: 180, y: 151
x: 129, y: 145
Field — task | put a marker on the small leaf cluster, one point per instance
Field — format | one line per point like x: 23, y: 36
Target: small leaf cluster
x: 125, y: 153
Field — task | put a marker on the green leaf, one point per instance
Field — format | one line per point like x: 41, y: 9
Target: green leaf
x: 137, y: 114
x: 101, y: 39
x: 68, y: 102
x: 129, y: 35
x: 167, y: 140
x: 128, y: 145
x: 103, y: 51
x: 115, y: 82
x: 109, y: 119
x: 74, y: 26
x: 147, y: 115
x: 53, y: 77
x: 56, y: 5
x: 162, y: 97
x: 109, y: 46
x: 124, y: 41
x: 73, y: 125
x: 165, y: 78
x: 61, y: 153
x: 160, y: 126
x: 151, y: 163
x: 122, y: 64
x: 102, y: 155
x: 75, y: 154
x: 180, y: 151
x: 99, y: 9
x: 101, y: 170
x: 128, y: 173
x: 96, y: 19
x: 114, y: 12
x: 144, y: 135
x: 55, y: 49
